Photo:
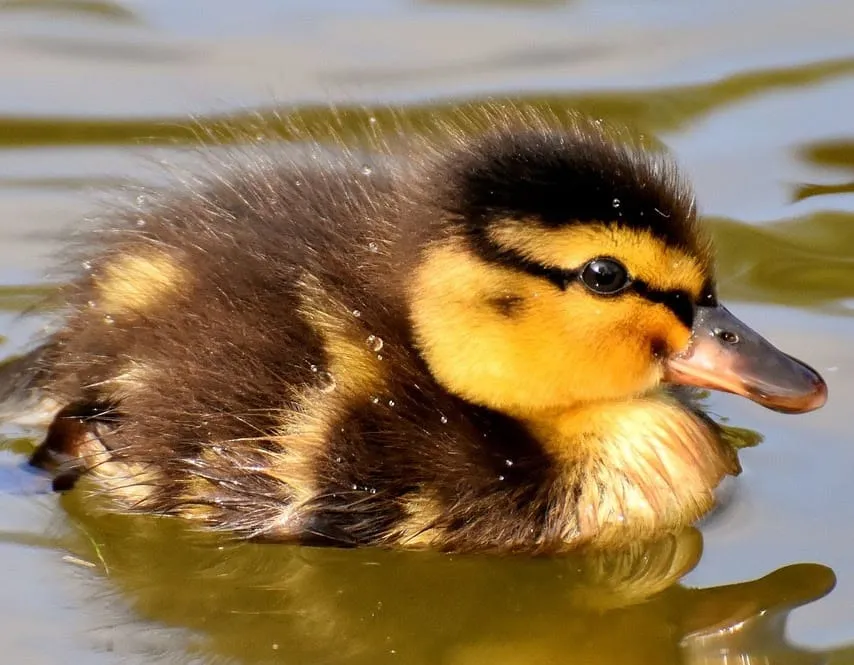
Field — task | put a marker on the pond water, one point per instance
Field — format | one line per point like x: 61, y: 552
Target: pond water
x: 754, y: 97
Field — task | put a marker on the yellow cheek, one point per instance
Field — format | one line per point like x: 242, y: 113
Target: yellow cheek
x: 645, y: 331
x: 553, y: 349
x: 615, y: 341
x: 677, y: 338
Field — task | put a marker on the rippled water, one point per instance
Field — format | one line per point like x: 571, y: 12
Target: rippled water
x: 754, y: 97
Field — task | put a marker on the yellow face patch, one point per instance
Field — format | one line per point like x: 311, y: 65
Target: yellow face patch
x: 518, y: 343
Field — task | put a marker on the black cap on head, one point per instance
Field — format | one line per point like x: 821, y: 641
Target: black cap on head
x: 581, y: 173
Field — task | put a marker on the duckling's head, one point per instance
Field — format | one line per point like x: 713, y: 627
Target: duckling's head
x: 570, y: 267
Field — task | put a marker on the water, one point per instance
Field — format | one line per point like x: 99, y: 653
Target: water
x: 753, y: 97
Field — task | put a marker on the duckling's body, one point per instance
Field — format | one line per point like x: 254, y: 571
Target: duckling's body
x: 385, y: 355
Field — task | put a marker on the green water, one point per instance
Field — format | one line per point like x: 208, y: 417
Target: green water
x: 754, y: 97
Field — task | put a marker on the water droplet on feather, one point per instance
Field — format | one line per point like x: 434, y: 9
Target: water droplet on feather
x: 326, y: 382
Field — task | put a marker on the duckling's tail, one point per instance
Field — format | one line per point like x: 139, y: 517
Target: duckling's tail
x: 21, y: 400
x: 24, y: 403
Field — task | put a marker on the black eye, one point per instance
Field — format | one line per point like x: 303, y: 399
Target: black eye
x: 605, y: 276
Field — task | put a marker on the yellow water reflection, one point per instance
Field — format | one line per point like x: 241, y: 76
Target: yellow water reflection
x: 261, y: 603
x: 100, y: 8
x: 653, y: 109
x: 837, y: 154
x: 806, y: 261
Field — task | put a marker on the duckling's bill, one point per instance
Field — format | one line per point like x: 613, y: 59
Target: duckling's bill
x: 725, y: 354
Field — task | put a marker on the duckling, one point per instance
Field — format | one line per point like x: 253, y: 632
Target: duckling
x: 477, y: 346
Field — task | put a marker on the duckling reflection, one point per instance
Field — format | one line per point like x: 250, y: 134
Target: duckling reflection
x: 751, y: 633
x: 252, y: 603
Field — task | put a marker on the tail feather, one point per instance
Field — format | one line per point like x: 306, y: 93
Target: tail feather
x: 21, y: 380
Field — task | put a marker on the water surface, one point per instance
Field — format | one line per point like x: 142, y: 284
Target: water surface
x: 755, y: 100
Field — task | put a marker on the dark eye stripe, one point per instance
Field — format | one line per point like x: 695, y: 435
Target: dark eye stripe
x: 510, y: 258
x: 677, y: 301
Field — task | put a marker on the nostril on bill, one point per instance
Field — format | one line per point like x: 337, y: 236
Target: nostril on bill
x: 726, y: 336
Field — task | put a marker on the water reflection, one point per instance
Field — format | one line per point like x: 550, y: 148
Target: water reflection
x: 805, y: 261
x: 268, y: 603
x: 102, y: 9
x: 838, y: 155
x: 654, y: 109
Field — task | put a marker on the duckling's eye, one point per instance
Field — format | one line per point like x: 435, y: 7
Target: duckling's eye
x: 605, y: 276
